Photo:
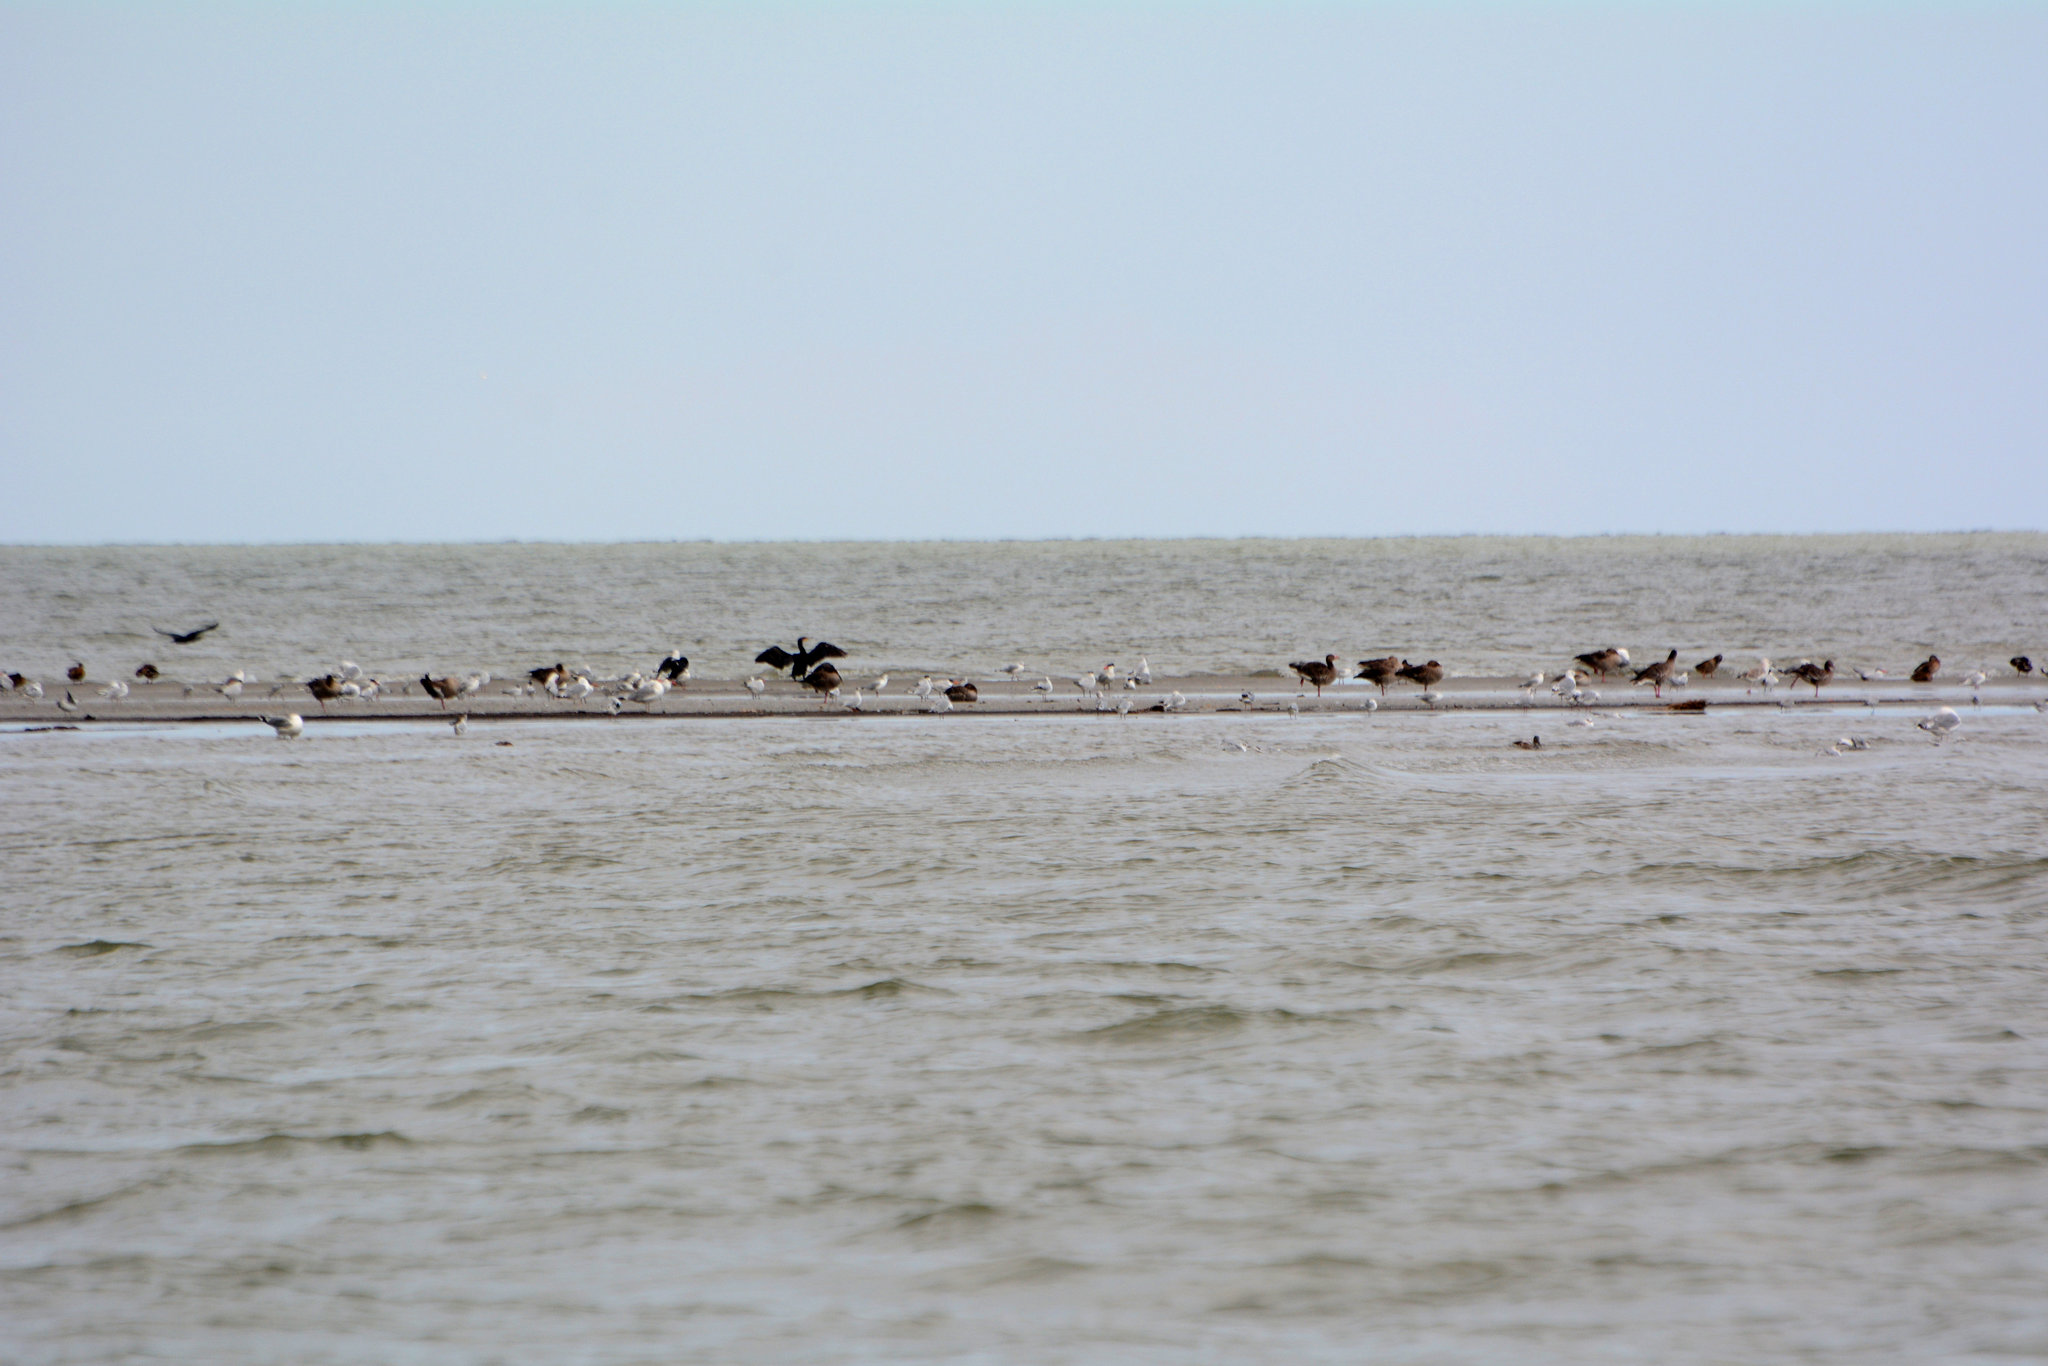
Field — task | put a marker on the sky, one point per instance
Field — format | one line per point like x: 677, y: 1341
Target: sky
x: 468, y: 271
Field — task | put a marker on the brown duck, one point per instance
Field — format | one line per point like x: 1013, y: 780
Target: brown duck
x: 1928, y: 669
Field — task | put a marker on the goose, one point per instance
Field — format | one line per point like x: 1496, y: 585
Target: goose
x: 149, y: 673
x: 1929, y: 667
x: 1658, y: 674
x: 287, y: 726
x: 1380, y: 671
x: 1707, y: 668
x: 1601, y: 662
x: 675, y: 667
x: 187, y: 637
x: 1428, y: 675
x: 962, y: 691
x: 822, y: 680
x: 1319, y: 672
x: 801, y: 661
x: 1809, y: 672
x: 440, y: 689
x: 549, y: 675
x: 326, y: 688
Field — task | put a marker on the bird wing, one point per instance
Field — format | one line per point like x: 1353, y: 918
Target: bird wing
x: 825, y: 649
x: 775, y: 657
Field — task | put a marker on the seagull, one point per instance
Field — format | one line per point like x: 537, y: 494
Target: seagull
x: 1372, y: 704
x: 69, y: 703
x: 923, y: 691
x: 115, y: 691
x: 1144, y: 672
x: 32, y: 689
x: 579, y: 690
x: 1293, y: 707
x: 1176, y: 702
x: 1043, y: 687
x: 940, y: 704
x: 1941, y: 723
x: 187, y: 637
x: 287, y: 727
x: 1013, y: 670
x: 1758, y: 673
x: 350, y: 671
x: 1087, y: 683
x: 648, y: 693
x: 756, y: 686
x: 878, y: 685
x: 859, y: 700
x: 1973, y: 680
x: 1106, y: 676
x: 460, y: 725
x: 1929, y: 667
x: 1871, y: 675
x: 1534, y: 681
x: 230, y: 689
x: 1319, y: 672
x: 1430, y: 697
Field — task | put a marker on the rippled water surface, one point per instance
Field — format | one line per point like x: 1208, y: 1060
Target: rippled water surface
x: 1063, y: 1039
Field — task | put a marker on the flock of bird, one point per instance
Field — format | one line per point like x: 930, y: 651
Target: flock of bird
x: 810, y: 665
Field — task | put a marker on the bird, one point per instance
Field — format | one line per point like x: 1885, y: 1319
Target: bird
x: 1380, y: 671
x: 1974, y: 680
x: 327, y: 687
x: 69, y: 703
x: 231, y: 689
x: 756, y: 686
x: 1871, y: 675
x: 1013, y: 670
x: 287, y: 727
x: 1043, y: 687
x: 114, y: 691
x: 940, y: 704
x: 961, y: 691
x: 1319, y: 672
x: 579, y: 690
x: 1372, y: 704
x: 1428, y: 675
x: 1533, y: 742
x: 460, y: 725
x: 1941, y: 723
x: 149, y: 673
x: 1250, y: 702
x: 76, y: 673
x: 822, y: 680
x: 879, y: 684
x: 17, y: 681
x: 187, y: 637
x: 648, y: 692
x: 549, y: 675
x: 1175, y: 702
x: 1105, y: 677
x: 439, y: 688
x: 1087, y: 682
x: 859, y: 700
x: 1659, y: 673
x: 675, y: 668
x: 1929, y: 667
x: 1707, y: 668
x: 800, y: 661
x: 1534, y: 681
x: 1123, y: 706
x: 2021, y: 664
x: 1816, y: 674
x: 1143, y: 674
x: 1430, y: 697
x: 922, y: 691
x: 349, y: 671
x: 1757, y: 673
x: 1602, y: 661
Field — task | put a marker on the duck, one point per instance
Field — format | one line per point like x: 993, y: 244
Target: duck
x: 149, y: 673
x: 76, y: 673
x: 1927, y: 669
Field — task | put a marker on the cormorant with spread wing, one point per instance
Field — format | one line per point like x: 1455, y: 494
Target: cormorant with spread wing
x: 799, y: 664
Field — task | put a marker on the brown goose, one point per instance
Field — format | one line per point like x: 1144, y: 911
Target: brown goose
x: 1428, y: 675
x: 1604, y: 661
x: 962, y: 691
x: 327, y: 687
x: 1659, y: 674
x: 1321, y: 672
x: 1929, y: 667
x: 822, y: 680
x: 1380, y: 671
x: 441, y: 688
x: 1707, y: 668
x: 1809, y: 672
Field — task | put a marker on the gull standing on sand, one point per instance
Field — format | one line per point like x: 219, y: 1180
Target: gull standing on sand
x: 1972, y: 680
x: 1013, y: 670
x: 287, y: 727
x: 1043, y: 687
x: 1941, y: 723
x: 1144, y: 671
x: 460, y: 725
x: 755, y: 687
x: 67, y: 703
x: 114, y: 691
x: 878, y: 685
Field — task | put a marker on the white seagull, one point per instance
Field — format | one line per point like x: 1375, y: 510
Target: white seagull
x: 755, y: 687
x: 1941, y: 723
x: 1043, y: 687
x: 287, y: 727
x: 460, y: 725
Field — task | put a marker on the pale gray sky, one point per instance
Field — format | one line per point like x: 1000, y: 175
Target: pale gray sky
x: 962, y: 270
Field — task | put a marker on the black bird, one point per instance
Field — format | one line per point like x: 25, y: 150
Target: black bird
x: 149, y: 673
x: 799, y: 664
x: 675, y: 667
x: 2021, y: 664
x: 187, y: 637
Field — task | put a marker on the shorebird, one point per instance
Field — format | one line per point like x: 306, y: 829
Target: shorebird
x: 1760, y: 671
x: 1707, y: 668
x: 859, y: 700
x: 649, y: 692
x: 1380, y: 671
x: 675, y: 667
x: 1941, y: 723
x: 755, y: 687
x: 1929, y: 667
x: 1530, y: 684
x: 1973, y: 680
x: 32, y: 689
x: 1809, y: 672
x: 1372, y: 704
x: 1123, y: 706
x: 1658, y: 674
x: 76, y: 673
x: 231, y: 689
x: 1430, y: 697
x: 149, y: 673
x: 1013, y: 670
x: 923, y: 691
x: 550, y: 676
x: 1320, y: 672
x: 1105, y: 677
x: 187, y: 637
x: 1428, y: 675
x: 579, y: 690
x: 799, y: 663
x: 879, y: 684
x: 1601, y: 661
x: 286, y: 727
x: 1533, y: 742
x: 440, y: 689
x: 939, y: 705
x: 460, y: 725
x: 1871, y: 675
x: 961, y: 691
x: 2021, y: 664
x: 1175, y: 702
x: 822, y: 680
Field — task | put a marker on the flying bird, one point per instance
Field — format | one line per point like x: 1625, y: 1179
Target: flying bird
x: 187, y: 637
